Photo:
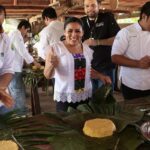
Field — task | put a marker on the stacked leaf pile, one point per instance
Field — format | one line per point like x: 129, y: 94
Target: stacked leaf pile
x: 63, y: 131
x: 31, y: 76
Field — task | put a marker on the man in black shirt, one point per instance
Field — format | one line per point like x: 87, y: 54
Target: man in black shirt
x: 99, y: 32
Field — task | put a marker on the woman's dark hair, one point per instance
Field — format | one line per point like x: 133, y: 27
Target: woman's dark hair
x: 24, y: 23
x: 2, y: 8
x: 73, y: 20
x: 49, y: 12
x: 145, y: 9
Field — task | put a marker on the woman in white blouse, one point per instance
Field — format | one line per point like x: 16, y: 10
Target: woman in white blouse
x: 69, y: 62
x: 6, y: 71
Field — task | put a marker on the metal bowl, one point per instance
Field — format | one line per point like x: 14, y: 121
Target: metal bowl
x: 145, y: 130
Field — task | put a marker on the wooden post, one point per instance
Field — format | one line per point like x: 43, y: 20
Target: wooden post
x: 35, y: 102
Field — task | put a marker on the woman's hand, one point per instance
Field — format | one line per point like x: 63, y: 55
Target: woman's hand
x: 50, y: 64
x: 38, y: 65
x: 6, y: 99
x: 53, y: 59
x: 96, y: 75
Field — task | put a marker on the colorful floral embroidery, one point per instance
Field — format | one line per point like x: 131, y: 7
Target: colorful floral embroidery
x: 80, y: 64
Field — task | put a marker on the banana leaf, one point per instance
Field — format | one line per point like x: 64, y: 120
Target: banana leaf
x: 130, y: 139
x: 103, y: 95
x: 66, y: 134
x: 68, y: 140
x: 29, y: 132
x: 63, y: 131
x: 72, y: 140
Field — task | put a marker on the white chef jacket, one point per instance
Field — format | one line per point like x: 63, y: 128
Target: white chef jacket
x: 133, y: 43
x: 6, y: 56
x: 50, y: 35
x: 21, y: 53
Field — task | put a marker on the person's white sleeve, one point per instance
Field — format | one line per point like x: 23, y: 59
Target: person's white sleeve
x: 120, y: 43
x: 43, y: 44
x: 19, y: 45
x: 8, y: 60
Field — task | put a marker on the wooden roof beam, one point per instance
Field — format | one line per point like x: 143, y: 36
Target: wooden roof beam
x: 25, y: 7
x: 15, y: 2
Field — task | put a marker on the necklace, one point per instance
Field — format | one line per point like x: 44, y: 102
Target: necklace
x: 92, y: 28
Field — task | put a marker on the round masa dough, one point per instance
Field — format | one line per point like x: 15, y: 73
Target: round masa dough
x: 8, y: 145
x: 99, y: 128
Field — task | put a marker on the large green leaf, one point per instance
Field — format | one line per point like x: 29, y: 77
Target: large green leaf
x: 122, y: 116
x: 68, y: 140
x: 103, y: 95
x: 63, y: 131
x: 68, y: 134
x: 130, y: 139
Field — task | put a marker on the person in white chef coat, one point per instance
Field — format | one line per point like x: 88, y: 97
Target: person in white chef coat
x: 50, y: 34
x: 131, y: 50
x: 6, y: 70
x: 16, y: 86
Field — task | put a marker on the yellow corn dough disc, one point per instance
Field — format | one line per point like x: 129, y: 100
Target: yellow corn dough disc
x: 42, y: 68
x: 99, y: 128
x: 34, y: 67
x: 8, y: 145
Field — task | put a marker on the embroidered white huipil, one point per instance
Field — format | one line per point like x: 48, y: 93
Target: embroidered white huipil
x: 64, y: 75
